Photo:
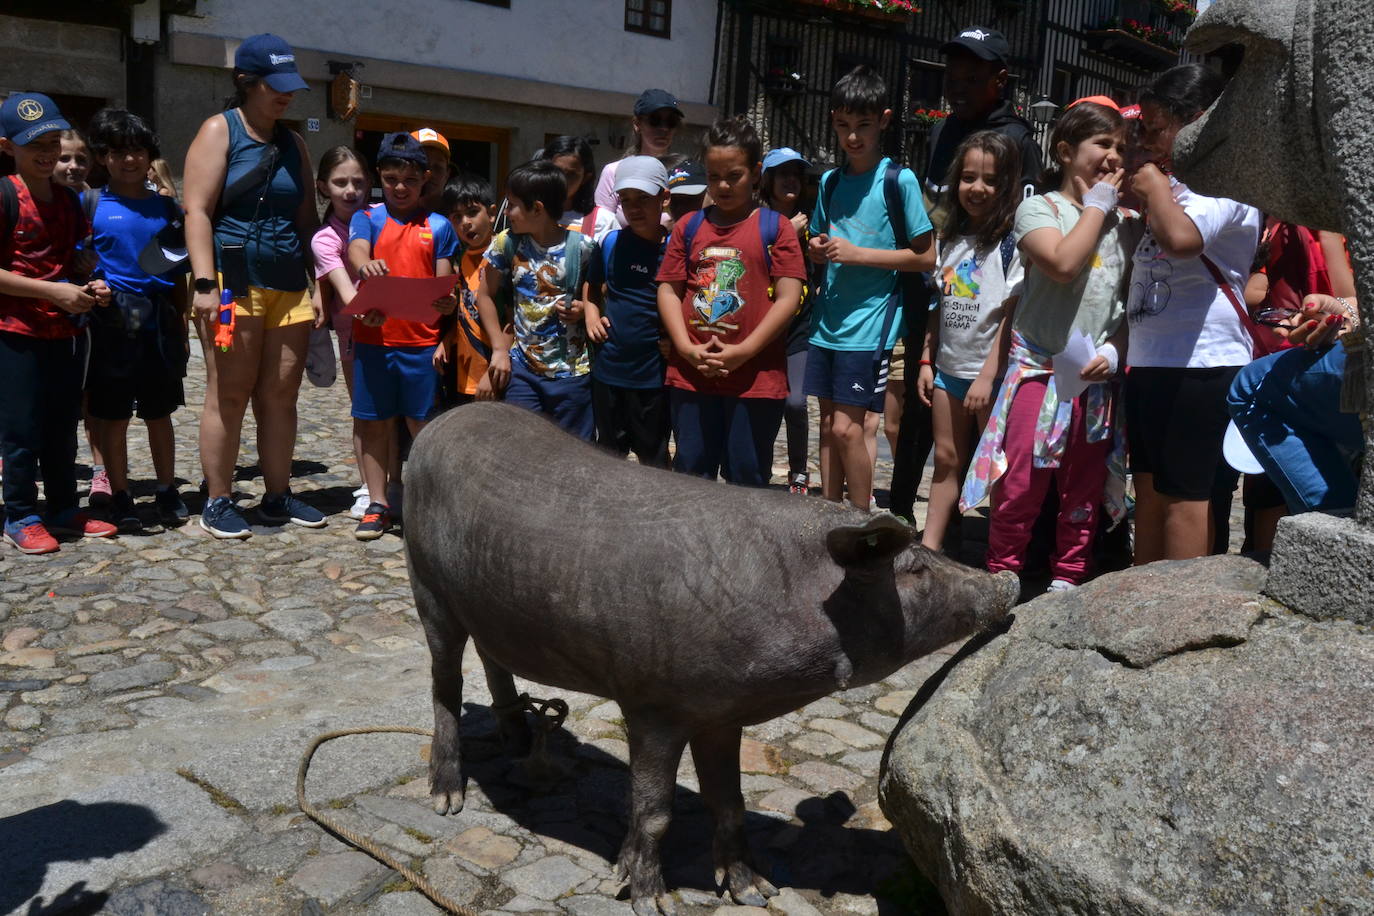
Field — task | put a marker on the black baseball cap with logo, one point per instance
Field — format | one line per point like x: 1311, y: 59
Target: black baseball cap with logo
x: 984, y: 44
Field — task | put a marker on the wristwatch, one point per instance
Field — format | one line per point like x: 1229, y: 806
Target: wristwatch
x: 205, y: 285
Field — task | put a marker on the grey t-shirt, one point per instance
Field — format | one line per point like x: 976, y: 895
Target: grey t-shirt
x: 1095, y: 301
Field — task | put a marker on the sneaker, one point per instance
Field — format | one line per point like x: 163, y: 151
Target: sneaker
x: 278, y: 510
x: 122, y: 512
x: 223, y: 519
x: 361, y: 500
x: 395, y: 494
x: 375, y: 521
x: 29, y: 535
x: 75, y: 523
x: 171, y: 509
x: 100, y: 489
x: 1060, y: 585
x: 800, y: 484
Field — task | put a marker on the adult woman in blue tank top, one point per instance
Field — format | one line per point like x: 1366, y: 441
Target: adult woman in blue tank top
x: 250, y: 212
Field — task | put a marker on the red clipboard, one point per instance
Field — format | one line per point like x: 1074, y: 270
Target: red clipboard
x: 406, y: 298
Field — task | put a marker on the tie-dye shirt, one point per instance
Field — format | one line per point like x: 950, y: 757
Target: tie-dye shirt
x: 537, y: 278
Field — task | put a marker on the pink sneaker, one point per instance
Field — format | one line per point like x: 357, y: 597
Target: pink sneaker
x: 100, y: 488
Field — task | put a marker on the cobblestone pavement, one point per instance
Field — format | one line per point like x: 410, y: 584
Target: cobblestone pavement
x: 157, y: 691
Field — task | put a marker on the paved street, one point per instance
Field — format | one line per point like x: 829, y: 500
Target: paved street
x: 158, y: 690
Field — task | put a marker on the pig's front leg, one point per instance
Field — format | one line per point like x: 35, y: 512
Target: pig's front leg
x: 716, y: 757
x: 655, y: 751
x: 447, y: 639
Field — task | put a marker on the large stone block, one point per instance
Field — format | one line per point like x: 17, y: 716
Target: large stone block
x: 1324, y: 567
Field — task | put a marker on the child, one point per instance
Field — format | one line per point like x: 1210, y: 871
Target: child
x: 686, y: 190
x: 545, y: 366
x: 727, y: 374
x: 628, y: 400
x: 1076, y: 245
x: 784, y: 176
x: 138, y: 345
x: 436, y: 150
x: 41, y: 357
x: 74, y: 164
x: 393, y: 359
x: 465, y: 349
x: 573, y: 156
x: 981, y: 275
x: 856, y: 318
x: 160, y: 178
x: 344, y: 183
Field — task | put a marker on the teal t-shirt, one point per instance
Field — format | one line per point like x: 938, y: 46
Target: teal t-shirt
x: 848, y: 314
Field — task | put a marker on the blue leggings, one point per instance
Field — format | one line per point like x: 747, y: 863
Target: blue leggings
x: 729, y: 436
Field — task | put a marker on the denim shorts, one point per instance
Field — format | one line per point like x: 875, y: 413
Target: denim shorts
x: 393, y: 382
x: 850, y: 377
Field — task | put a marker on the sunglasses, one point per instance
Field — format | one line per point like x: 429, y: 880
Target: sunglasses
x: 670, y: 121
x: 1275, y: 318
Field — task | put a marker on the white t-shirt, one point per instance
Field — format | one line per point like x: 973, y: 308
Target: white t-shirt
x: 973, y: 289
x: 1180, y: 317
x: 604, y: 223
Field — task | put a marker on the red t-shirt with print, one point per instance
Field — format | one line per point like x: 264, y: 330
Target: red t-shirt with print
x: 727, y: 281
x: 40, y: 246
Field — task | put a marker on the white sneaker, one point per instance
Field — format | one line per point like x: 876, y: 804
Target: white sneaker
x: 1060, y: 585
x: 362, y: 499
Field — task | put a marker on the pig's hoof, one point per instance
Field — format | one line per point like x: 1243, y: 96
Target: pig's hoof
x: 657, y: 905
x: 450, y: 802
x: 748, y: 887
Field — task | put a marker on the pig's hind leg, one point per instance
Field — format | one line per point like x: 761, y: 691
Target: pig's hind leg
x: 508, y: 707
x: 715, y: 754
x: 655, y: 751
x: 447, y: 639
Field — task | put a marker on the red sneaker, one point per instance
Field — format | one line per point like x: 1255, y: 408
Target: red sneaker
x: 79, y: 524
x: 30, y: 536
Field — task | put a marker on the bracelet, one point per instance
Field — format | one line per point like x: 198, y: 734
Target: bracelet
x: 926, y: 362
x: 1350, y: 313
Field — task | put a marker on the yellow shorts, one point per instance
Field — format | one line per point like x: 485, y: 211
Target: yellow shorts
x: 276, y: 307
x: 896, y: 366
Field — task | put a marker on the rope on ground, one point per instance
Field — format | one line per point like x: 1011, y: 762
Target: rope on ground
x: 361, y: 842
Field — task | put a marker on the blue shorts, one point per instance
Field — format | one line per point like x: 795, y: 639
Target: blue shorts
x: 393, y: 382
x: 850, y: 377
x: 957, y: 387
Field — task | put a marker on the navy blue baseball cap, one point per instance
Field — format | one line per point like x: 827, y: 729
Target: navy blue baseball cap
x: 271, y: 58
x: 651, y: 100
x: 403, y: 146
x: 984, y: 44
x: 26, y: 115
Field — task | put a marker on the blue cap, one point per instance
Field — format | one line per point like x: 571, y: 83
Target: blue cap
x: 271, y: 58
x: 781, y: 156
x: 651, y: 100
x: 401, y: 145
x: 26, y: 115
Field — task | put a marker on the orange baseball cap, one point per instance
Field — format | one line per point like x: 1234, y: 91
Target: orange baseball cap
x: 1102, y: 100
x: 428, y: 136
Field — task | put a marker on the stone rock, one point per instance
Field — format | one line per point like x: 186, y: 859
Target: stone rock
x: 403, y: 903
x: 790, y: 903
x: 482, y: 847
x: 152, y: 628
x: 297, y: 624
x: 141, y: 675
x: 1156, y: 742
x: 547, y: 879
x: 757, y: 757
x: 99, y: 648
x: 452, y: 880
x: 825, y: 778
x: 22, y: 718
x: 232, y: 628
x: 589, y: 905
x: 155, y: 897
x: 29, y: 658
x: 339, y: 876
x: 217, y: 876
x: 851, y: 734
x: 19, y: 637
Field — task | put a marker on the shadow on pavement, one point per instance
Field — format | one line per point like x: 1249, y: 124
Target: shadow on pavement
x: 66, y: 831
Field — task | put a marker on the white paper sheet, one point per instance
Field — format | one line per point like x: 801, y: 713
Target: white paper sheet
x: 1069, y: 362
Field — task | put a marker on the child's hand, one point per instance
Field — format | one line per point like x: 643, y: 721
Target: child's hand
x: 499, y: 370
x: 484, y: 391
x: 1099, y: 370
x: 839, y: 251
x: 71, y: 298
x: 373, y: 318
x: 700, y: 358
x: 815, y: 249
x: 598, y: 331
x: 665, y: 347
x: 1147, y: 180
x: 800, y: 222
x: 569, y: 312
x: 100, y: 291
x: 373, y: 268
x: 925, y: 385
x: 445, y: 305
x: 979, y: 394
x: 727, y: 357
x: 440, y: 356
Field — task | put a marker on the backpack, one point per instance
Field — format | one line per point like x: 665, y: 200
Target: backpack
x: 572, y: 260
x: 913, y: 293
x: 768, y: 233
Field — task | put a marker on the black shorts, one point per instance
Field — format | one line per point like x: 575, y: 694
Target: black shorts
x: 1175, y: 423
x: 153, y: 395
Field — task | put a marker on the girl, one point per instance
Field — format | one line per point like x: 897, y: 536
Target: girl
x: 573, y: 156
x: 981, y: 275
x: 1189, y: 332
x: 1076, y: 246
x: 656, y: 120
x: 343, y: 182
x: 160, y: 178
x: 727, y: 374
x: 784, y: 175
x: 74, y: 162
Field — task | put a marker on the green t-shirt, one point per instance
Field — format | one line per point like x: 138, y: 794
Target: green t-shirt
x: 1095, y: 301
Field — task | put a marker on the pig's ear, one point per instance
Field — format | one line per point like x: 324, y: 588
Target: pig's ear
x: 876, y: 541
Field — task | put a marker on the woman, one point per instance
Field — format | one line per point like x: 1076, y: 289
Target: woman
x: 1188, y: 328
x: 249, y: 219
x: 656, y: 120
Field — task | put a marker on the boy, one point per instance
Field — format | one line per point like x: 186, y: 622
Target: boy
x: 686, y: 189
x: 629, y: 403
x: 465, y: 350
x: 41, y: 309
x: 856, y: 318
x: 138, y: 345
x: 393, y: 359
x: 436, y: 150
x: 545, y: 366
